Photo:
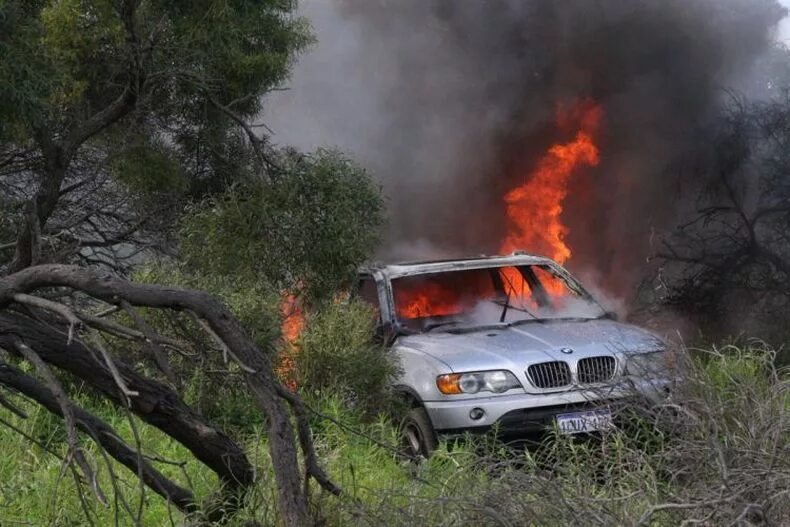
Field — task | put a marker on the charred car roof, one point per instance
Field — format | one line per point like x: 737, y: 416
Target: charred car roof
x: 397, y: 270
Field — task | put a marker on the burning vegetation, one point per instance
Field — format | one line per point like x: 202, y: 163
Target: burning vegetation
x: 293, y: 322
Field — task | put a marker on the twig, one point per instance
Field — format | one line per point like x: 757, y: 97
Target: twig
x: 119, y: 330
x: 8, y: 405
x: 68, y: 415
x: 681, y: 506
x: 226, y: 351
x: 116, y: 375
x: 109, y: 311
x: 49, y: 305
x: 153, y: 342
x: 30, y: 438
x: 303, y: 430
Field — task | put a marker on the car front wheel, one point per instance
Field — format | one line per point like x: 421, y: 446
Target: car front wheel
x: 418, y: 439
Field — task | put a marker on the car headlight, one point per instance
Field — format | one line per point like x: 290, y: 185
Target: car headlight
x: 497, y: 381
x: 651, y: 364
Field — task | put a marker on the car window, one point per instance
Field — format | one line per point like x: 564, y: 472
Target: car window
x: 487, y: 296
x: 442, y: 294
x: 367, y: 291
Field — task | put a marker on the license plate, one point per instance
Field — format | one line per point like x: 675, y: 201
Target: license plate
x: 588, y: 421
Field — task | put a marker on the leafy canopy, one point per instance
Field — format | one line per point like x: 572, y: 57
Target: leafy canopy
x: 307, y: 229
x: 63, y: 61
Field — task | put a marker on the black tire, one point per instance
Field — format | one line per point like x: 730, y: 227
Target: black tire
x: 417, y: 436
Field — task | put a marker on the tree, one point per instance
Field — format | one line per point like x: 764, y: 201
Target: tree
x: 307, y: 229
x: 119, y: 96
x: 114, y: 111
x: 728, y: 263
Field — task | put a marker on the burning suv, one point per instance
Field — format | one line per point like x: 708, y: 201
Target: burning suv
x: 511, y: 342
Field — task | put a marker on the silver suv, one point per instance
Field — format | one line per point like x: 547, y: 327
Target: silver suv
x: 512, y: 342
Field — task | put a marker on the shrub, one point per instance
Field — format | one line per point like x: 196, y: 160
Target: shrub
x: 337, y: 354
x: 308, y: 228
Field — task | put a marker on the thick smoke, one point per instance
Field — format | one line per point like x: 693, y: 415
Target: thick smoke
x: 450, y: 103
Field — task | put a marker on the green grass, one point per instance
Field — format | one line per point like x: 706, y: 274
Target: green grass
x: 36, y: 490
x: 734, y: 428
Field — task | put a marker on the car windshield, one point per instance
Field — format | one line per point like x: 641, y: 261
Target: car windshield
x: 495, y: 295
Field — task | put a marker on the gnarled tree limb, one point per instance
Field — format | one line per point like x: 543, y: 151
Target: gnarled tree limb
x: 261, y: 381
x: 156, y: 404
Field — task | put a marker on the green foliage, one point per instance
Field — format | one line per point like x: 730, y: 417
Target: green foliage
x: 336, y: 354
x: 206, y: 47
x: 24, y: 84
x: 307, y: 229
x: 63, y: 61
x: 149, y: 167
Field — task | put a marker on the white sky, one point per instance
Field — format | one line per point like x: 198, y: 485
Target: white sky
x: 784, y: 25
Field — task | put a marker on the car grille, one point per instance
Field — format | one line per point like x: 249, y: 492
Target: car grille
x: 555, y: 374
x: 596, y: 369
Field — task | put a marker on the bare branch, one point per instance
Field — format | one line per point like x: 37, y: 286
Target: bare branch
x: 152, y: 339
x: 119, y: 330
x: 65, y: 405
x: 104, y: 436
x: 258, y: 144
x: 312, y: 467
x: 226, y: 351
x: 8, y: 405
x: 157, y: 404
x: 116, y: 375
x: 261, y: 380
x: 55, y: 307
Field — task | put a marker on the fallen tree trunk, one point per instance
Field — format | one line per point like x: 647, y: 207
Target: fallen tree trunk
x: 156, y: 403
x: 220, y: 324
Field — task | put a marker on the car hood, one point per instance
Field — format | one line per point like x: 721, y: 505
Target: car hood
x: 532, y: 342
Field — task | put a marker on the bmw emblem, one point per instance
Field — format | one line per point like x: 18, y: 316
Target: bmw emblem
x: 566, y: 351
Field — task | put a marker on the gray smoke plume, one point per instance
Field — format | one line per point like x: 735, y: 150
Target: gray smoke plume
x: 450, y: 103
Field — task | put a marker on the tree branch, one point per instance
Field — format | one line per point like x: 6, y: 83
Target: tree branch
x: 262, y: 383
x: 152, y: 341
x: 49, y: 305
x: 65, y: 405
x: 102, y: 434
x: 156, y: 404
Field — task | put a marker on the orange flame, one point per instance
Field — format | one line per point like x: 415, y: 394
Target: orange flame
x: 442, y: 295
x: 292, y: 326
x: 534, y: 208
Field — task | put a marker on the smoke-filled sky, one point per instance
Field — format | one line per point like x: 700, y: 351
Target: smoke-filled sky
x: 783, y: 34
x: 451, y: 103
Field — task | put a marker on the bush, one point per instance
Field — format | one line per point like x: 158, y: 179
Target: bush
x: 307, y: 229
x: 336, y: 354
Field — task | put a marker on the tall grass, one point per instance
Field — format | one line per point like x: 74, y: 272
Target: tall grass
x: 717, y: 452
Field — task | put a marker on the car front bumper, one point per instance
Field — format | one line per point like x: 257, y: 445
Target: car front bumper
x: 527, y: 411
